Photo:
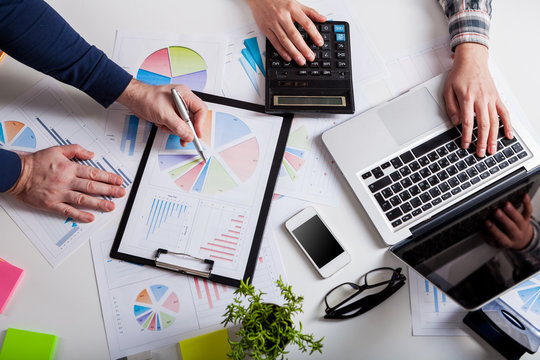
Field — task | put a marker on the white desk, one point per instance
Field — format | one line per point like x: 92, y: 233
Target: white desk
x: 65, y: 302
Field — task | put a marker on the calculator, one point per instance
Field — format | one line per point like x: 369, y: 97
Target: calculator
x: 323, y: 85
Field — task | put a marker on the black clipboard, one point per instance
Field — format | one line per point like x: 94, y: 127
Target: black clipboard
x: 263, y: 213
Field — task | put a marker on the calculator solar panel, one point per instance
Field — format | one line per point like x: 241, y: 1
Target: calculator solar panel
x: 323, y: 85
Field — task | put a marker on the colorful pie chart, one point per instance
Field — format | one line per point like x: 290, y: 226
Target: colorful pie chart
x: 15, y: 134
x: 174, y: 65
x: 156, y: 307
x: 232, y: 151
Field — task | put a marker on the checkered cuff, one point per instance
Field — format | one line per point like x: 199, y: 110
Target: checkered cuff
x: 469, y: 26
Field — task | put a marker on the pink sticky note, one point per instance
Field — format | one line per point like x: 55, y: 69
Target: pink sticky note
x: 9, y: 278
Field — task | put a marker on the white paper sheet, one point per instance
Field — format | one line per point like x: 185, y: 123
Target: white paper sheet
x: 432, y: 312
x: 42, y: 117
x: 144, y: 308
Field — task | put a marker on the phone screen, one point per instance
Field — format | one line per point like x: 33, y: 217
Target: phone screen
x: 318, y: 241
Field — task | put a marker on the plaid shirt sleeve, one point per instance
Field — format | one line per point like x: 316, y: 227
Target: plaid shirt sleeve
x: 468, y: 21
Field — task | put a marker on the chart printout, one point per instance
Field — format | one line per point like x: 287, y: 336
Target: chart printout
x: 43, y: 117
x: 145, y: 308
x: 196, y: 61
x: 205, y: 209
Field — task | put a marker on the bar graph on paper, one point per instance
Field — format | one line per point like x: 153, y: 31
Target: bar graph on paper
x: 433, y: 313
x: 167, y: 218
x: 226, y: 243
x: 134, y: 134
x: 41, y: 118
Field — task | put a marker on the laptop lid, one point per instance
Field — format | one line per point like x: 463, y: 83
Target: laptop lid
x: 459, y: 255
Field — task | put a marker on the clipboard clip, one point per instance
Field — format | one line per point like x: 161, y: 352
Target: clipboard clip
x: 183, y: 269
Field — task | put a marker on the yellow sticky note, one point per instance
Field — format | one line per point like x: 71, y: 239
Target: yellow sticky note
x: 213, y: 346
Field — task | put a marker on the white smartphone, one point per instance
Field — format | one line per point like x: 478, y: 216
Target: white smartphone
x: 317, y: 241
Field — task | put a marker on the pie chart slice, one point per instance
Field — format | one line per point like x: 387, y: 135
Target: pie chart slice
x: 17, y: 134
x: 232, y: 150
x: 293, y: 158
x: 174, y: 65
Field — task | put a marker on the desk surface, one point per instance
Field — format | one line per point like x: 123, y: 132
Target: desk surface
x: 50, y: 300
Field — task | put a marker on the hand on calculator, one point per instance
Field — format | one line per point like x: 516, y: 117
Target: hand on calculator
x: 276, y: 19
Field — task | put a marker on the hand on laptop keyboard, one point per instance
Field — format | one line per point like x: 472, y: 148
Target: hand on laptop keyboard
x: 276, y: 19
x: 470, y: 89
x: 511, y: 228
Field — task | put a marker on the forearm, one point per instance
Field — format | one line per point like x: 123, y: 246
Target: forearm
x: 468, y: 21
x: 10, y: 169
x: 36, y: 35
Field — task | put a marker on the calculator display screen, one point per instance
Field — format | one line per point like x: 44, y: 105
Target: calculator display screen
x: 309, y: 100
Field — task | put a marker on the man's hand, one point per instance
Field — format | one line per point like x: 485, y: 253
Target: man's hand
x: 276, y: 19
x: 513, y: 229
x: 155, y: 104
x: 470, y: 90
x: 50, y: 181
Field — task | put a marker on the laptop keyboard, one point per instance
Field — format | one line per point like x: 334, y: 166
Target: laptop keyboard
x: 429, y: 175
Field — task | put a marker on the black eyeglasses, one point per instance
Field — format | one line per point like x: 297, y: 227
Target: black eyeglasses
x: 341, y: 303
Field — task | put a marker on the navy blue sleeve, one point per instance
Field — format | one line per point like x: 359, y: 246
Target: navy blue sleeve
x: 10, y: 169
x: 35, y: 34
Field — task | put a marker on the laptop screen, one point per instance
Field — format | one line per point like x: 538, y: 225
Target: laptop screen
x: 471, y: 259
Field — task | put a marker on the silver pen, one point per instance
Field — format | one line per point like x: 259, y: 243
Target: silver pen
x: 184, y: 114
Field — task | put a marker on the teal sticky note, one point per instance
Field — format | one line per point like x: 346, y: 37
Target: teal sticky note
x: 27, y: 345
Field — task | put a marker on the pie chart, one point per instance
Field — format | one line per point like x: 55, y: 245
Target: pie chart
x: 156, y: 307
x: 17, y: 135
x: 295, y: 150
x: 232, y: 151
x: 174, y: 65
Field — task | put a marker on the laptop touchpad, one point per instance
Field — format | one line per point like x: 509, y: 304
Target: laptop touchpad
x: 411, y: 116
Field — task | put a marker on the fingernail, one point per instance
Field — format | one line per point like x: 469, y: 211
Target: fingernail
x: 455, y: 120
x: 300, y: 60
x: 481, y: 152
x: 465, y: 145
x: 311, y: 56
x: 109, y: 206
x: 492, y: 149
x: 510, y: 134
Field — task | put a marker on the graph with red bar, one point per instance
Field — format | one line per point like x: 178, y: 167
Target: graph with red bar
x: 174, y: 65
x: 156, y: 307
x: 225, y: 245
x: 232, y: 151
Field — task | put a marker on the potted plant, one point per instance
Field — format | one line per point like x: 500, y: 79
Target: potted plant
x: 265, y: 329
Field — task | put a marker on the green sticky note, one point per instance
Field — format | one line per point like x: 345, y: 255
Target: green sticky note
x: 213, y: 346
x: 27, y: 345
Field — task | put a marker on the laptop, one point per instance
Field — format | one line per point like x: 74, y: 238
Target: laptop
x: 404, y: 162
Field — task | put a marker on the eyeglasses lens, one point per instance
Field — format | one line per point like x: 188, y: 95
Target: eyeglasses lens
x: 340, y: 294
x: 379, y: 276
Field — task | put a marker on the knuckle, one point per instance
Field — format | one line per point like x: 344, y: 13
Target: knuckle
x: 90, y: 187
x: 80, y: 199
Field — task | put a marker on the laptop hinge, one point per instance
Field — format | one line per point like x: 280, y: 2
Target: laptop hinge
x: 473, y: 201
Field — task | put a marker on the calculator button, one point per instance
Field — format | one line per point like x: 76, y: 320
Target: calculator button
x: 315, y: 72
x: 340, y: 46
x: 341, y: 64
x: 339, y: 28
x: 313, y: 46
x: 287, y: 64
x: 341, y: 55
x: 326, y: 46
x: 325, y: 28
x: 314, y: 64
x: 275, y: 54
x: 327, y: 72
x: 276, y: 64
x: 340, y: 37
x: 326, y: 55
x: 302, y: 72
x: 326, y: 37
x: 326, y: 64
